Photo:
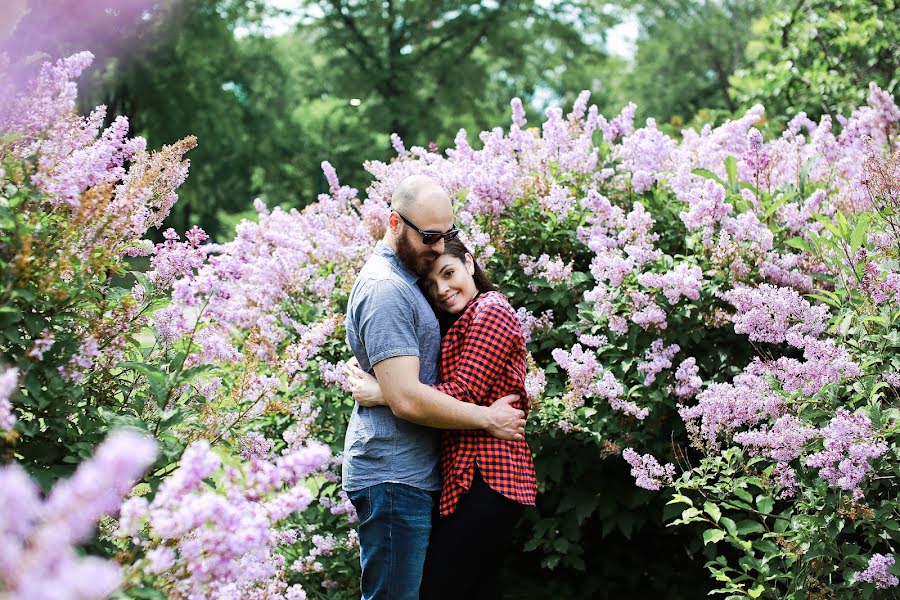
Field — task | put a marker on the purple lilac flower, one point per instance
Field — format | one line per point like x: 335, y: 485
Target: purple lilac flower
x: 647, y: 471
x: 724, y: 407
x: 42, y: 345
x: 784, y: 442
x: 9, y: 381
x: 848, y: 445
x: 756, y: 156
x: 775, y: 315
x: 531, y: 324
x: 38, y: 556
x: 535, y: 382
x: 878, y: 572
x: 657, y: 358
x: 682, y: 281
x: 687, y: 379
x: 222, y: 543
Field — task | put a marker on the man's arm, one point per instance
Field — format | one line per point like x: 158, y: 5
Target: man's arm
x: 414, y: 401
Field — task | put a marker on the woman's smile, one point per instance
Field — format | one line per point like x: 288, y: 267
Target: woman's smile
x: 451, y: 282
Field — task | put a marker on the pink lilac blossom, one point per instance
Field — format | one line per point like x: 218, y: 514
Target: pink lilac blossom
x: 588, y: 378
x: 42, y: 345
x: 646, y: 154
x: 647, y: 471
x: 651, y: 316
x: 9, y: 381
x: 531, y: 324
x: 756, y: 156
x: 706, y: 208
x: 783, y: 442
x: 848, y: 443
x: 559, y: 201
x: 225, y: 540
x: 254, y: 445
x: 48, y: 99
x: 592, y: 341
x: 683, y: 281
x: 724, y: 407
x: 657, y: 358
x: 687, y: 379
x: 535, y: 383
x: 775, y: 315
x: 826, y: 362
x: 553, y: 270
x: 173, y: 259
x: 37, y: 547
x: 878, y: 573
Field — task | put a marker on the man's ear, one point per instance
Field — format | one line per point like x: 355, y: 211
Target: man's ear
x: 394, y: 221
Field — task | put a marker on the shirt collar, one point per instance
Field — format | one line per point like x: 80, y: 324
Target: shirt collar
x: 385, y: 251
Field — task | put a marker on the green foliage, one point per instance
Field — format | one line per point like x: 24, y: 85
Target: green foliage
x: 820, y: 56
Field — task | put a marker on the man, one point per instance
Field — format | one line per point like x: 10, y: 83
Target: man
x: 390, y: 464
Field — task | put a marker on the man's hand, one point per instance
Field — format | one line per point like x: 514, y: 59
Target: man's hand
x: 505, y: 421
x: 363, y: 386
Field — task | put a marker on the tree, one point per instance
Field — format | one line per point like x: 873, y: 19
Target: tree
x: 819, y: 56
x: 416, y: 65
x: 687, y: 51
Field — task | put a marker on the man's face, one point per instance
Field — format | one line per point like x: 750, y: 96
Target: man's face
x: 416, y: 256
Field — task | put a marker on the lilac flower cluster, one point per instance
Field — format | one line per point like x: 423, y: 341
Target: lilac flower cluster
x: 722, y: 408
x: 775, y: 315
x: 848, y: 443
x: 687, y: 379
x: 535, y: 382
x: 587, y: 378
x: 682, y: 281
x: 173, y: 259
x: 553, y: 270
x: 647, y: 471
x: 531, y: 324
x: 878, y: 573
x: 222, y: 543
x: 9, y: 381
x: 657, y: 358
x: 38, y: 558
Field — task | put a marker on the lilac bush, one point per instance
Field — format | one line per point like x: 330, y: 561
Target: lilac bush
x: 715, y: 309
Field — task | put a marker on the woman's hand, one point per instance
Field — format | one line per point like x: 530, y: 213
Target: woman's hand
x: 364, y: 387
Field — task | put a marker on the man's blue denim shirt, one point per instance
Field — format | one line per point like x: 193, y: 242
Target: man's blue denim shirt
x: 388, y: 316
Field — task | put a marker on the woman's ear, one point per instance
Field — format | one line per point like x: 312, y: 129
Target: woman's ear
x: 470, y: 264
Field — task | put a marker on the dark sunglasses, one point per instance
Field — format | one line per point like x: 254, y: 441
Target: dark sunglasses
x: 430, y: 237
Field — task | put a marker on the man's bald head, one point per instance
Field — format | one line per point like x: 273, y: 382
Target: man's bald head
x: 417, y: 190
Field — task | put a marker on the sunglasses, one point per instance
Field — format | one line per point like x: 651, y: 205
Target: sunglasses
x: 430, y: 237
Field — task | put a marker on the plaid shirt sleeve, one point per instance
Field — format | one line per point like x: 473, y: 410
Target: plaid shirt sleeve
x: 482, y: 357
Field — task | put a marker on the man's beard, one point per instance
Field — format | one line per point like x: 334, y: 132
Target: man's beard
x: 420, y: 264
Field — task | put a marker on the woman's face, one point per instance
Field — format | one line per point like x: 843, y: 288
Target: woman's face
x: 451, y: 284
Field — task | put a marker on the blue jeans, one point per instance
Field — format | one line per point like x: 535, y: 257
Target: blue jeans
x: 394, y: 526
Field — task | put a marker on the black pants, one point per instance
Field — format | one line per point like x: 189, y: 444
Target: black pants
x: 467, y: 549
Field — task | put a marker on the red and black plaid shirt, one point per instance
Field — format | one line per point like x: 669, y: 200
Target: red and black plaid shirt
x: 482, y: 360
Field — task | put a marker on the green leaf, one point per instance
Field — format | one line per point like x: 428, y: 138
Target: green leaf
x: 713, y: 511
x: 858, y: 236
x: 756, y: 592
x: 731, y: 171
x: 713, y: 535
x: 765, y: 503
x: 709, y: 175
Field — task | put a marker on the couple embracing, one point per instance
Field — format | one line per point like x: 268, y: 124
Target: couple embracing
x: 435, y: 458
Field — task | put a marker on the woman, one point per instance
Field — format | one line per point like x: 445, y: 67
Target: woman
x: 486, y: 481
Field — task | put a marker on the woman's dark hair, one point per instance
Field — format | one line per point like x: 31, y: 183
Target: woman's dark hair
x: 483, y: 283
